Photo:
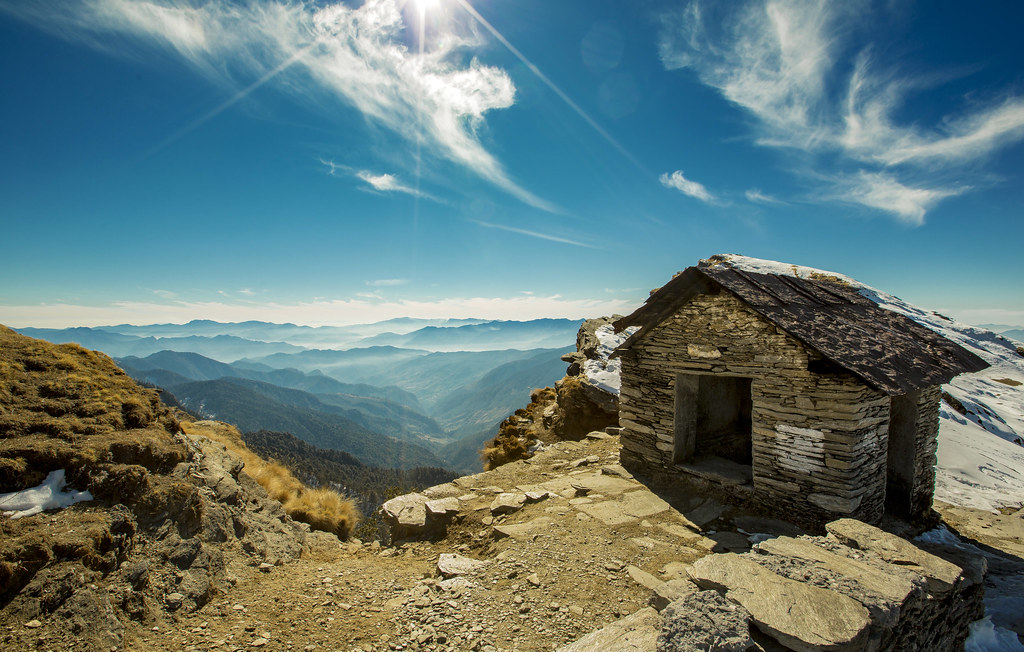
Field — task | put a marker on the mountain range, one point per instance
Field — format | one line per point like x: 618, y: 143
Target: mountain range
x: 400, y: 393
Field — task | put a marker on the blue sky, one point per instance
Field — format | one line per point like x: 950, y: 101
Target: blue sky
x: 347, y: 162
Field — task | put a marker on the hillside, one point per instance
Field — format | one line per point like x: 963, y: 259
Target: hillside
x: 369, y: 486
x: 160, y: 520
x: 252, y: 405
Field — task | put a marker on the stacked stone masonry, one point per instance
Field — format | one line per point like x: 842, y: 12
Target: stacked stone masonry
x: 818, y: 440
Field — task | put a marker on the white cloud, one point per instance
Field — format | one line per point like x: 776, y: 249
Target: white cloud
x: 784, y: 62
x: 533, y: 234
x: 881, y: 191
x: 682, y: 184
x: 313, y: 313
x: 432, y: 95
x: 755, y: 196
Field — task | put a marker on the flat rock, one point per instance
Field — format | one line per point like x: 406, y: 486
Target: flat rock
x: 537, y: 496
x: 894, y: 586
x: 675, y: 570
x: 608, y: 512
x: 506, y: 503
x: 704, y: 621
x: 642, y: 503
x: 637, y: 632
x: 802, y: 617
x: 443, y: 507
x: 704, y: 513
x: 616, y: 470
x: 452, y: 565
x: 940, y: 574
x: 523, y: 531
x: 596, y: 482
x: 643, y: 578
x: 687, y: 535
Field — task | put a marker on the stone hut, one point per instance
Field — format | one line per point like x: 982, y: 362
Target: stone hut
x: 799, y: 394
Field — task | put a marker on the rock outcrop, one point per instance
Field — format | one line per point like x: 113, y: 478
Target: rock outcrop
x: 172, y: 514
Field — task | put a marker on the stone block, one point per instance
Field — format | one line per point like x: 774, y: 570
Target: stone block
x: 942, y: 576
x: 804, y: 618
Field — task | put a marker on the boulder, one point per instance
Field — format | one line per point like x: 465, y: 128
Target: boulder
x: 406, y: 515
x: 704, y: 621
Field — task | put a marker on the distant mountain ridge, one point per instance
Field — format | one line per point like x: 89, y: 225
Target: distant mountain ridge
x: 436, y: 385
x: 231, y: 341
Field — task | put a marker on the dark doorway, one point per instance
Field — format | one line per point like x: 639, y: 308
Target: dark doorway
x: 900, y: 466
x: 712, y: 418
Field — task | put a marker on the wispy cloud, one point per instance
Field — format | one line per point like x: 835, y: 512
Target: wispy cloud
x: 387, y: 282
x: 755, y: 196
x: 686, y: 186
x: 882, y: 191
x: 783, y: 61
x: 434, y: 95
x: 534, y: 234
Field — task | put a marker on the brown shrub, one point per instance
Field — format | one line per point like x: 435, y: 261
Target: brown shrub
x: 276, y: 479
x: 325, y: 510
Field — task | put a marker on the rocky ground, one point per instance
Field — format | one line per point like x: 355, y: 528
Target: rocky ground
x: 567, y: 542
x: 553, y: 570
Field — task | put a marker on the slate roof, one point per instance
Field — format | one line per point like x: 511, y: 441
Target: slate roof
x: 888, y: 351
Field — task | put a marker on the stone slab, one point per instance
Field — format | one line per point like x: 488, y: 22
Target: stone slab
x: 942, y: 576
x: 523, y: 531
x: 637, y: 632
x: 894, y: 586
x: 802, y: 617
x: 670, y: 591
x: 642, y: 503
x: 608, y: 512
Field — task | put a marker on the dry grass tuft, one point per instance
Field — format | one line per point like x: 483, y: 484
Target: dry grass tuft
x: 325, y: 510
x: 322, y: 509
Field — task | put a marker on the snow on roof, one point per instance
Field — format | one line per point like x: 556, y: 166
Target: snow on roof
x: 886, y: 349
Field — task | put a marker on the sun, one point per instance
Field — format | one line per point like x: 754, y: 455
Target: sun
x: 425, y: 5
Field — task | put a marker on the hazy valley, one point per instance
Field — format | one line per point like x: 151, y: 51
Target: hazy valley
x: 402, y: 393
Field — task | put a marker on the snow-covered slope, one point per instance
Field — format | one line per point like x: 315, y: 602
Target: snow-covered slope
x: 981, y: 428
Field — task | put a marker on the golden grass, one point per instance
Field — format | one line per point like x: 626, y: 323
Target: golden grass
x: 322, y: 509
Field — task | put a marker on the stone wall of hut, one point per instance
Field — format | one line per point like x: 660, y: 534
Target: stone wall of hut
x: 926, y: 450
x: 818, y: 440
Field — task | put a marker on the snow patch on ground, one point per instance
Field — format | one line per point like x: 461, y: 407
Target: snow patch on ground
x: 1003, y: 606
x: 601, y: 371
x: 981, y: 453
x: 49, y: 495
